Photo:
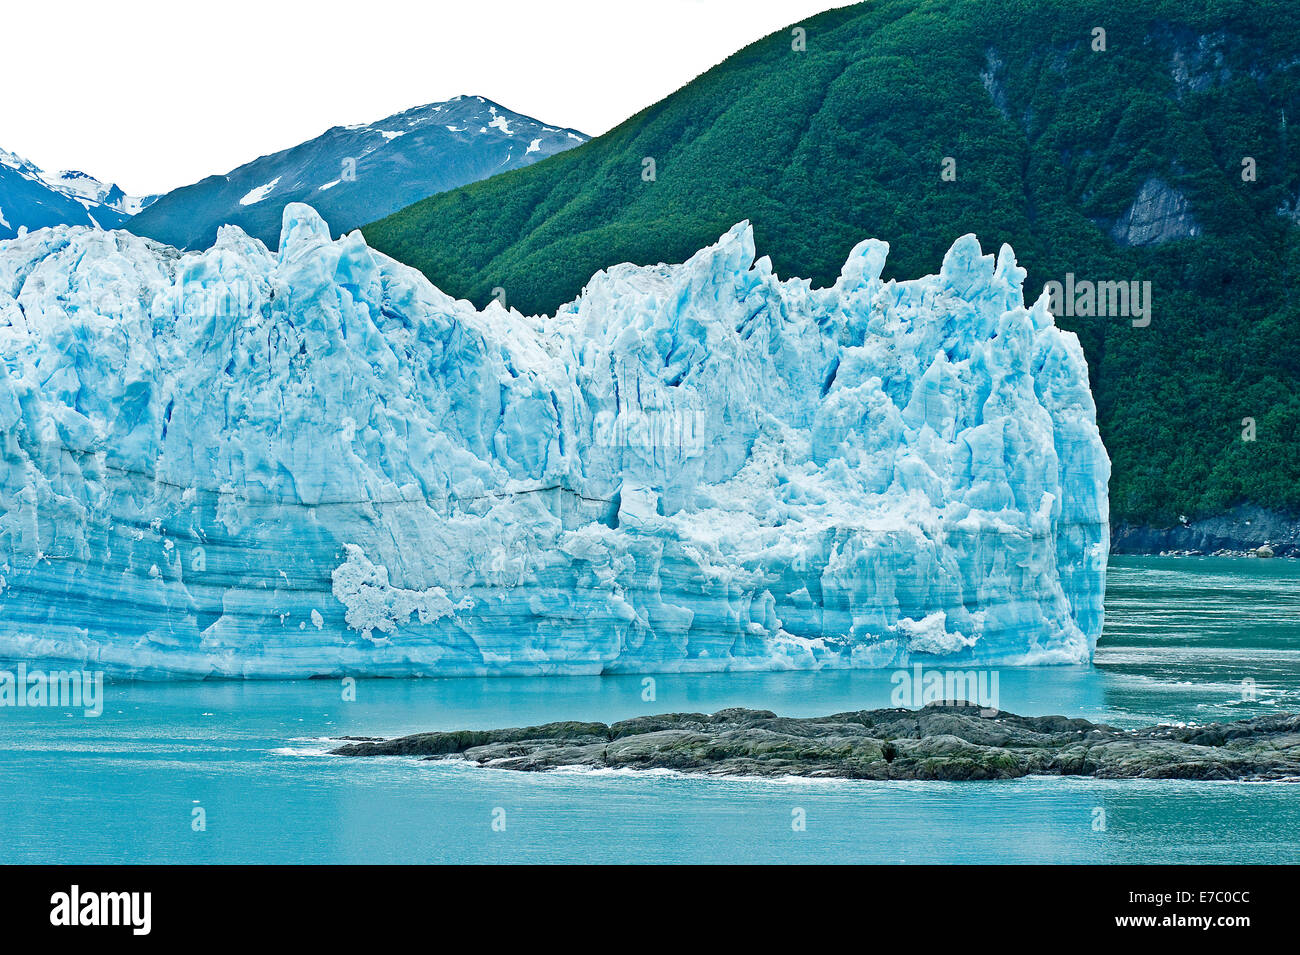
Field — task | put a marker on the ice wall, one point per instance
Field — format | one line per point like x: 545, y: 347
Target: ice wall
x: 259, y: 464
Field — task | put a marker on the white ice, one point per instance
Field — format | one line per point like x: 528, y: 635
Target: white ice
x: 278, y: 464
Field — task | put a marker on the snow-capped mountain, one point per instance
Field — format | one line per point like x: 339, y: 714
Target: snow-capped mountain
x: 245, y: 463
x: 89, y: 190
x: 32, y: 198
x: 357, y: 174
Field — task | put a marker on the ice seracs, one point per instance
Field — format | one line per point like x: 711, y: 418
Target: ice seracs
x: 312, y: 461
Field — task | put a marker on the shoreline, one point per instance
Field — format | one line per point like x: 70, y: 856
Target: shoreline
x: 1242, y: 532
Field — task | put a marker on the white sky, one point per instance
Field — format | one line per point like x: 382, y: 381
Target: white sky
x: 155, y: 94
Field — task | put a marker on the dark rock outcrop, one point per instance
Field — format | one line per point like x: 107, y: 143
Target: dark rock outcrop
x: 941, y: 741
x: 1242, y: 530
x: 1160, y: 213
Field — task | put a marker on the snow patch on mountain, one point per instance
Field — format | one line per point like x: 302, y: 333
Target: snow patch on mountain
x: 357, y: 174
x: 261, y: 192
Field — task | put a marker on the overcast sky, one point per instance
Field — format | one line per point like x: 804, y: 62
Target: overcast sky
x: 154, y: 94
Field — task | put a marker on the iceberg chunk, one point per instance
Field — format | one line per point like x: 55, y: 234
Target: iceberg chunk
x: 249, y: 463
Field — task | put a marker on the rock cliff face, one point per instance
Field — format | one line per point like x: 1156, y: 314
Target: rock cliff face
x: 1243, y: 530
x: 1160, y: 213
x: 258, y: 464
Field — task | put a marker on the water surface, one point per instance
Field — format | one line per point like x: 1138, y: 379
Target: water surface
x: 1187, y: 639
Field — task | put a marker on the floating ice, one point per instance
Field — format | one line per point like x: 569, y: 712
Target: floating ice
x: 258, y: 464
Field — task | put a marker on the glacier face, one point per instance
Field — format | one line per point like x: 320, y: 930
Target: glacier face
x: 257, y: 464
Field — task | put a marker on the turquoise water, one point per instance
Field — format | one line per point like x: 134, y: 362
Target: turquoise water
x: 1182, y: 634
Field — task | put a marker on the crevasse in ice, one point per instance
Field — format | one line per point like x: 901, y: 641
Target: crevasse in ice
x: 259, y: 464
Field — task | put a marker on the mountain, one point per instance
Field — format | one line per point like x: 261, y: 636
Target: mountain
x: 314, y: 462
x: 34, y: 199
x: 355, y: 174
x: 1160, y: 152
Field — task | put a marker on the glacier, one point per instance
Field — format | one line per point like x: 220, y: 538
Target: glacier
x: 311, y: 461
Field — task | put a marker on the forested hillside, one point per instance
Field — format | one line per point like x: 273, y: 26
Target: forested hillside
x: 1158, y: 151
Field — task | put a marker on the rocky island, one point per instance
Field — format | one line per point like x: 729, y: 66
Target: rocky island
x: 938, y: 742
